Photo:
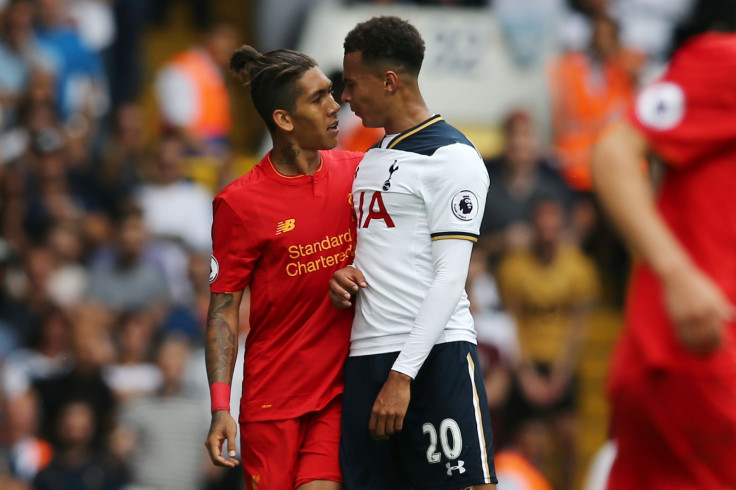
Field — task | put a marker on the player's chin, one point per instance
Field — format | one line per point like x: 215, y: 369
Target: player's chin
x: 330, y: 139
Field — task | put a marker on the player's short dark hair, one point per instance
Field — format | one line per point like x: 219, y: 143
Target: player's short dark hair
x: 272, y: 78
x: 705, y: 16
x: 387, y: 39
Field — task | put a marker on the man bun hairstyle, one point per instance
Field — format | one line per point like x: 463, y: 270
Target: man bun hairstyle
x: 272, y: 78
x: 387, y: 39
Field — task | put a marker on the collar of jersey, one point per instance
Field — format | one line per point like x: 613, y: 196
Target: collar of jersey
x: 402, y: 136
x: 300, y: 179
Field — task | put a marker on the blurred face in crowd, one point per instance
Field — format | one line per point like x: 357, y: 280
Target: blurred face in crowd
x: 40, y: 263
x: 18, y: 22
x: 173, y: 356
x: 548, y: 220
x: 51, y: 12
x: 21, y: 416
x: 364, y: 90
x: 129, y: 127
x: 169, y: 161
x: 135, y: 338
x: 521, y: 142
x: 604, y: 40
x: 132, y: 237
x: 314, y: 120
x: 220, y: 43
x: 76, y: 424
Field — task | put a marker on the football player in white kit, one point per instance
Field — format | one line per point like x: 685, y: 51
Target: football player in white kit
x: 415, y: 413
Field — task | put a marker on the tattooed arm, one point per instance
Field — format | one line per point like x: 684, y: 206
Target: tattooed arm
x: 221, y: 350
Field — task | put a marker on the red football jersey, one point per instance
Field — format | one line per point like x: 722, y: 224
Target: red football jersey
x: 284, y: 236
x: 689, y: 118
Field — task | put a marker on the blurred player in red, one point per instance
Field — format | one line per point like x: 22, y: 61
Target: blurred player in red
x: 673, y: 379
x: 283, y: 229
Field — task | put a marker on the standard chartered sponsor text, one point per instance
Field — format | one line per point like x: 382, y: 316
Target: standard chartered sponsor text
x: 339, y: 245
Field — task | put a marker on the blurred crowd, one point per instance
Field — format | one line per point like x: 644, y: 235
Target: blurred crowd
x: 105, y: 237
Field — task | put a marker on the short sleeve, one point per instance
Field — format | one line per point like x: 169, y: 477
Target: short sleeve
x: 455, y: 190
x: 234, y: 250
x: 690, y: 113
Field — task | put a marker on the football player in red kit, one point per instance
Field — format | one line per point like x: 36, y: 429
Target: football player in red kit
x: 673, y: 378
x: 283, y: 229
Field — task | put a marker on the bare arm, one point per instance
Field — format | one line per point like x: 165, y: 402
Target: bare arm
x: 221, y: 350
x: 221, y: 347
x: 695, y: 304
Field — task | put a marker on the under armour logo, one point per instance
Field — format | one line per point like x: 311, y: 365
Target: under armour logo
x: 393, y: 168
x: 460, y: 468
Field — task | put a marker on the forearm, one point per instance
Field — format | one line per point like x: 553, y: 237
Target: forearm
x: 451, y: 269
x: 221, y: 347
x: 626, y: 194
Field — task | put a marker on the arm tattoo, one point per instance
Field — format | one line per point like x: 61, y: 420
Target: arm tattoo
x: 222, y: 339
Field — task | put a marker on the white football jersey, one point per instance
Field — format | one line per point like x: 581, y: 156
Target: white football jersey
x: 428, y: 183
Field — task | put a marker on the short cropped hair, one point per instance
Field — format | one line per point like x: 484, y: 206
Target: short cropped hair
x: 387, y: 39
x: 272, y: 78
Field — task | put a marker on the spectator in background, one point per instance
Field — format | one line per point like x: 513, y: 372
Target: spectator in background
x: 151, y: 436
x: 68, y: 281
x: 20, y: 54
x: 517, y: 464
x: 549, y: 289
x: 498, y: 345
x: 519, y: 175
x: 81, y: 86
x: 175, y: 208
x: 124, y: 279
x: 78, y: 463
x: 16, y: 317
x: 22, y: 453
x: 118, y: 172
x: 588, y: 90
x: 132, y: 375
x: 192, y: 94
x: 91, y: 350
x: 48, y: 355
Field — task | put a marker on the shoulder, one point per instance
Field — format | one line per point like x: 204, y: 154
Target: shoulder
x: 240, y: 188
x: 429, y: 137
x: 341, y: 155
x: 342, y: 159
x: 575, y: 258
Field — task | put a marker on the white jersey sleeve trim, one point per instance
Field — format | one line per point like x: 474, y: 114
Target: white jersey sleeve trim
x: 451, y: 259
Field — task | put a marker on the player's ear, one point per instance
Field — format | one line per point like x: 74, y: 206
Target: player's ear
x: 390, y: 82
x: 283, y: 120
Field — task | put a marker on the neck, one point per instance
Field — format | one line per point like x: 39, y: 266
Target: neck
x: 289, y: 159
x: 545, y: 252
x: 407, y: 115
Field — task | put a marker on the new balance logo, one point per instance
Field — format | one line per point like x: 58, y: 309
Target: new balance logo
x: 460, y: 468
x: 284, y: 226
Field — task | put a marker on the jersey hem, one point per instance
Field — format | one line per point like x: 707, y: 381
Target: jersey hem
x: 359, y: 347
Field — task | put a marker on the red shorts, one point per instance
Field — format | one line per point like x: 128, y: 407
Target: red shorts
x: 283, y: 454
x: 673, y: 430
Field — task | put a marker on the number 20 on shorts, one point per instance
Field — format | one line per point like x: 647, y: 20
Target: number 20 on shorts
x: 451, y: 441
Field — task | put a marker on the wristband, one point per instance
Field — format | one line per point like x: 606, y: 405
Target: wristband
x: 220, y: 396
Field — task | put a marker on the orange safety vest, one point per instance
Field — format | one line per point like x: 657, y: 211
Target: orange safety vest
x: 513, y: 467
x: 581, y: 108
x: 212, y: 120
